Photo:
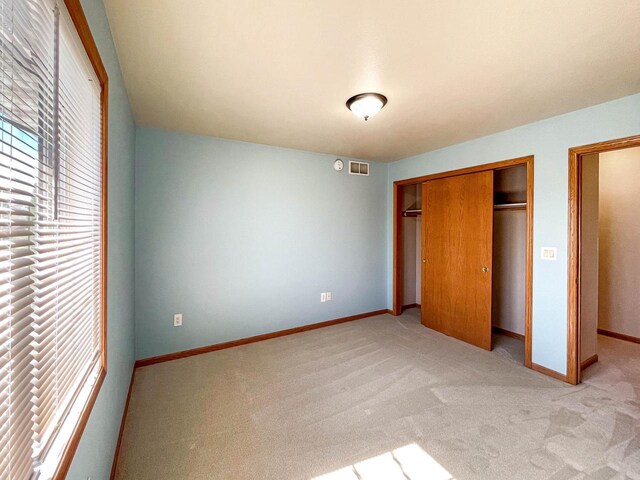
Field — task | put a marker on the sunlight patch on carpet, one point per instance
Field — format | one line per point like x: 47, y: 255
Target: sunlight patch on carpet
x: 408, y: 462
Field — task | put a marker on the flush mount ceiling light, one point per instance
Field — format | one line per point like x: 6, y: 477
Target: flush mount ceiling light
x: 366, y: 105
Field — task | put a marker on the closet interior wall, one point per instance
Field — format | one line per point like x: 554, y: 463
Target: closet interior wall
x: 411, y: 246
x: 509, y: 250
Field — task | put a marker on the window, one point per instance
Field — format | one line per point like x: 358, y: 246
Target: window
x: 52, y: 234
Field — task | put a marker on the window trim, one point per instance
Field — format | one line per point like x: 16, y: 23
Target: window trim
x: 84, y: 32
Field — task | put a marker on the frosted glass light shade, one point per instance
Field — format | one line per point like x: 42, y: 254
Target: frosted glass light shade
x: 366, y: 105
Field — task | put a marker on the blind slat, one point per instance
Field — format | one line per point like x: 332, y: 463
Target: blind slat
x: 50, y: 229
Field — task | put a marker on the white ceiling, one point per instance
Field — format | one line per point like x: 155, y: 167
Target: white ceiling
x: 279, y: 72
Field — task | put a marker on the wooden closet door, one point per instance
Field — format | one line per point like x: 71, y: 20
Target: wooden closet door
x: 457, y: 238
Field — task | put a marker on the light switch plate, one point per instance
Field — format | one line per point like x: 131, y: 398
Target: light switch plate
x: 323, y: 297
x: 549, y: 253
x: 177, y: 320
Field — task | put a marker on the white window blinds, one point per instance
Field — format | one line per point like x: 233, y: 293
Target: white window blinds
x: 50, y: 234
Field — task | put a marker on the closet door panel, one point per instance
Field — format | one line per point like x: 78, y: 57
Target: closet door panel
x: 457, y: 238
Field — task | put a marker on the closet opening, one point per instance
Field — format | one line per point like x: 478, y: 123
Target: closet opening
x: 462, y: 245
x: 604, y: 268
x: 411, y: 227
x: 509, y: 261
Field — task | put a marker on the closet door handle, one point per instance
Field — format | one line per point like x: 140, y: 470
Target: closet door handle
x: 424, y: 260
x: 485, y: 269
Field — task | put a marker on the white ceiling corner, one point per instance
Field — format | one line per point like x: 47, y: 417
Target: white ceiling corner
x: 279, y: 72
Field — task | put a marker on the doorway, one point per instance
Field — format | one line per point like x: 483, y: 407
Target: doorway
x: 504, y: 203
x: 599, y: 270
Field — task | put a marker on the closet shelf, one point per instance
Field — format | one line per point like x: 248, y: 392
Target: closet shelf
x: 501, y: 206
x: 412, y: 212
x: 511, y: 206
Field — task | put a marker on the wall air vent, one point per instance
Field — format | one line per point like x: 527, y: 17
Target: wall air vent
x: 358, y: 168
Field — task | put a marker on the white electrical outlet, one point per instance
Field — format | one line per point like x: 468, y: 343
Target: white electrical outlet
x: 549, y: 253
x: 328, y: 296
x: 177, y: 320
x: 323, y: 297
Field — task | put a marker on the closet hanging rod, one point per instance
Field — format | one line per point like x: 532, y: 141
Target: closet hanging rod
x: 412, y: 212
x: 511, y: 206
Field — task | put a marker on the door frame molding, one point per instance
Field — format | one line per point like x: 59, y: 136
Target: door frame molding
x: 574, y: 245
x: 397, y: 236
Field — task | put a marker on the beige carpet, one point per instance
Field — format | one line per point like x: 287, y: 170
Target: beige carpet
x: 381, y: 398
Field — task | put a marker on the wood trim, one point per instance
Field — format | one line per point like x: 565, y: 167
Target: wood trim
x: 548, y: 372
x: 84, y: 32
x: 116, y: 454
x: 398, y: 250
x: 573, y: 263
x: 257, y: 338
x: 608, y: 146
x: 464, y: 171
x: 528, y: 294
x: 588, y: 362
x: 397, y: 236
x: 74, y: 441
x: 619, y: 336
x: 573, y: 328
x: 507, y: 333
x: 424, y: 206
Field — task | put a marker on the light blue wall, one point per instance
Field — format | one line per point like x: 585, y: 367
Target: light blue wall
x: 94, y: 455
x: 548, y: 141
x: 242, y: 239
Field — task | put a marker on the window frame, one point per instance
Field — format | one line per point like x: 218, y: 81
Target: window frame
x: 74, y: 8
